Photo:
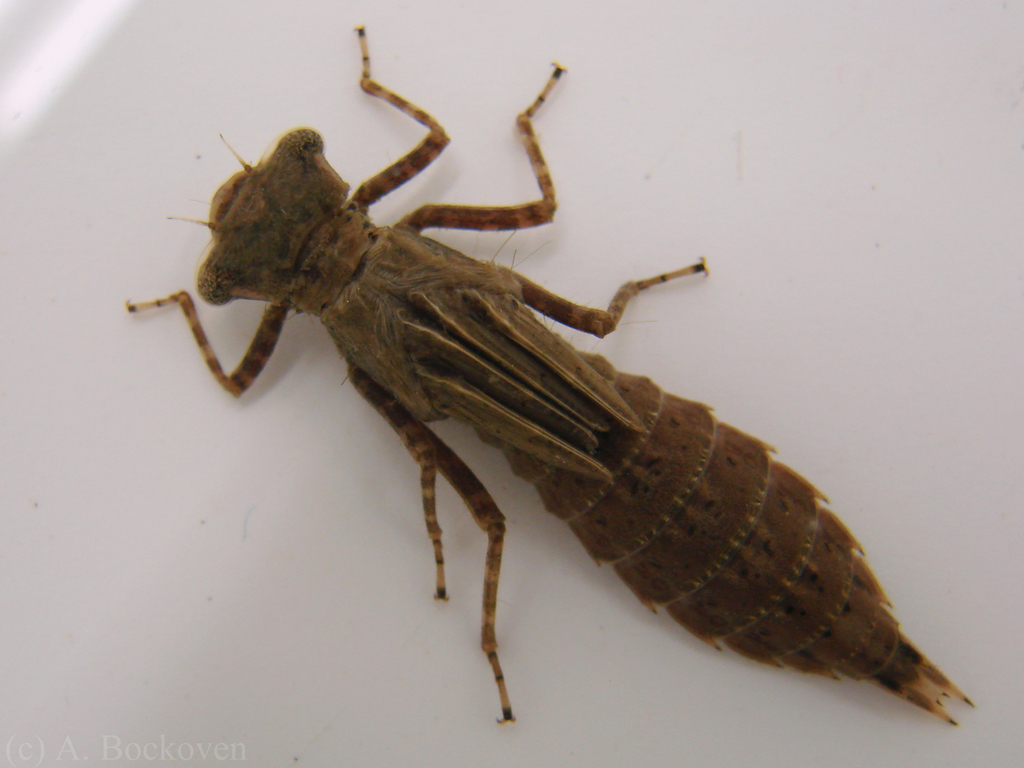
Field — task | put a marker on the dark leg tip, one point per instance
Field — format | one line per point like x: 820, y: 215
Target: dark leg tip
x: 506, y: 716
x: 441, y: 594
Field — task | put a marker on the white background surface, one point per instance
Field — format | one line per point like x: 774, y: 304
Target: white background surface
x: 177, y: 564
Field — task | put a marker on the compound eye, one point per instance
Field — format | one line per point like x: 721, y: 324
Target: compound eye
x: 301, y: 143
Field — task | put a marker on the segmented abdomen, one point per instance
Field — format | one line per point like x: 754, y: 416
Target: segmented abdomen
x: 737, y: 547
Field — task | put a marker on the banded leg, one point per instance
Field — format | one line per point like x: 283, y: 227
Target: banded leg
x: 599, y: 322
x: 399, y: 172
x: 485, y: 512
x: 530, y: 214
x: 417, y: 441
x: 427, y: 459
x: 256, y: 356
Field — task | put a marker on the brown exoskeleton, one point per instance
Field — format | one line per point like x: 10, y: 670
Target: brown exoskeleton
x: 694, y: 514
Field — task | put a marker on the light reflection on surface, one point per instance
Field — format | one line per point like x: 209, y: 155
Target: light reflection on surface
x: 63, y: 44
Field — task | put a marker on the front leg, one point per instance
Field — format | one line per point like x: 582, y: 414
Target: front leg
x: 399, y: 172
x: 428, y: 450
x: 256, y: 356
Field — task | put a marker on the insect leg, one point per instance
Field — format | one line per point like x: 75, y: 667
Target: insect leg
x: 599, y: 322
x: 399, y: 172
x: 255, y: 357
x: 485, y: 512
x: 417, y: 441
x: 428, y: 483
x: 500, y: 217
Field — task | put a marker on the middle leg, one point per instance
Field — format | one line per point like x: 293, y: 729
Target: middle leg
x: 420, y: 441
x: 496, y: 217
